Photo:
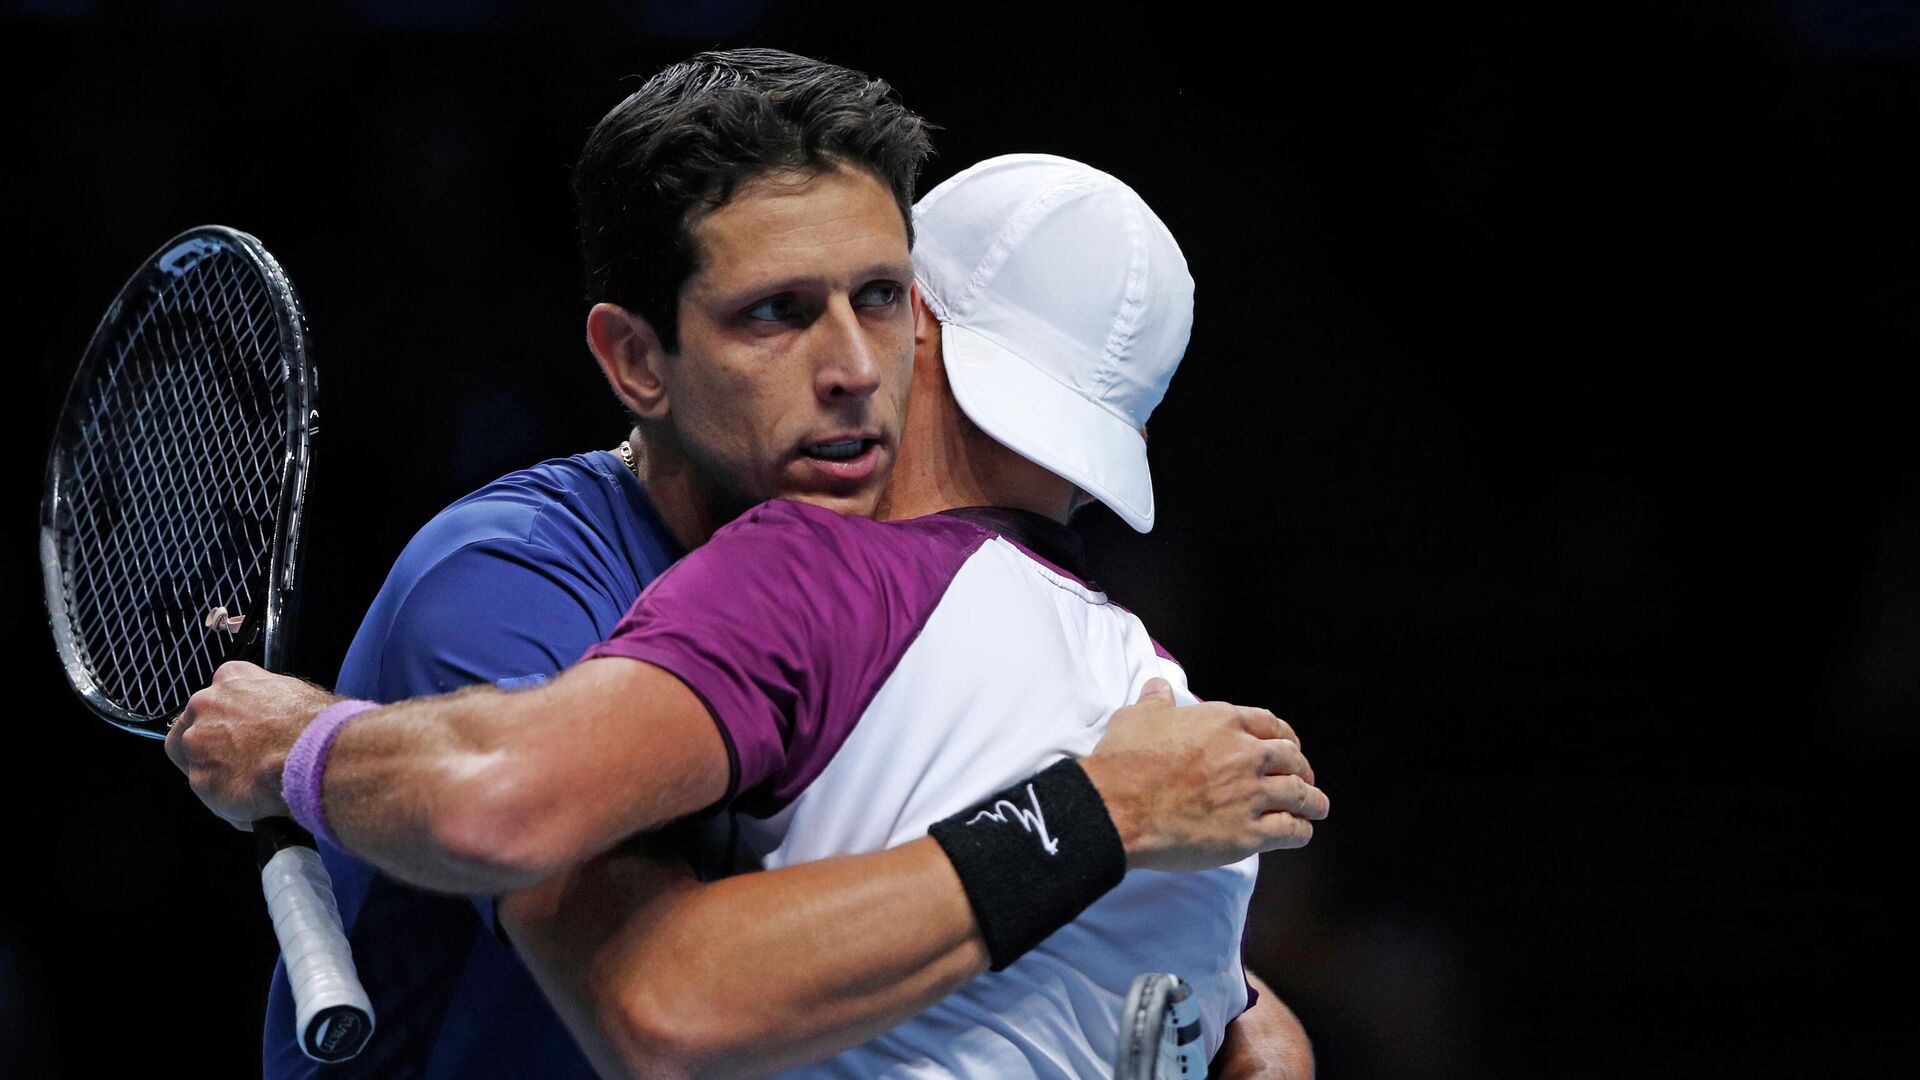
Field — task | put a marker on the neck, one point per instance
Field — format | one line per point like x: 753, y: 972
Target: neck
x: 687, y: 500
x: 947, y: 462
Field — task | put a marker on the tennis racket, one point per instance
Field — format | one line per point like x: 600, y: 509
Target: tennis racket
x: 169, y: 533
x: 1159, y: 1032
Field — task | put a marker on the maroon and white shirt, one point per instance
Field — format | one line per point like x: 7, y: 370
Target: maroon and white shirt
x: 871, y: 678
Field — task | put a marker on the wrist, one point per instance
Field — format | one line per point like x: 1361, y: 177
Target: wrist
x: 1107, y: 772
x: 1032, y: 857
x: 306, y: 765
x: 271, y: 785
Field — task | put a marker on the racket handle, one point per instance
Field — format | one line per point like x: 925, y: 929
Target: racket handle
x: 332, y: 1017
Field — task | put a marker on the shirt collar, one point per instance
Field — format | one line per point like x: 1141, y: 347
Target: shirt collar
x: 1042, y: 537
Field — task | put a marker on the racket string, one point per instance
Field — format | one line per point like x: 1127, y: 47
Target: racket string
x: 176, y: 482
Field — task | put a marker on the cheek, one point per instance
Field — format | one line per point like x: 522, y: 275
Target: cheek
x: 900, y: 347
x: 902, y: 389
x: 740, y: 419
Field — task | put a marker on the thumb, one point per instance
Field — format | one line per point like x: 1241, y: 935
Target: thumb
x: 1156, y: 692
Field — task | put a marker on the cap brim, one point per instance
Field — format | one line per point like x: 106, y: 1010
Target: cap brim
x: 1031, y: 413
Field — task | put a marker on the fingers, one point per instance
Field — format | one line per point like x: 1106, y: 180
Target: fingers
x: 1264, y: 725
x: 177, y: 738
x: 219, y: 810
x: 1284, y: 831
x: 201, y: 779
x: 1259, y: 723
x: 1294, y: 795
x: 1282, y: 757
x: 1156, y: 692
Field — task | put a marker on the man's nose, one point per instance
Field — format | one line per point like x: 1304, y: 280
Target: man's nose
x: 848, y: 365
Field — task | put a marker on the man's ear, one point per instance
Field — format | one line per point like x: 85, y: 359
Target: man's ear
x: 926, y: 330
x: 630, y: 356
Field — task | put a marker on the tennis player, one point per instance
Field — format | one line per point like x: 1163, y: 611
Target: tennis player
x: 842, y: 656
x: 694, y: 465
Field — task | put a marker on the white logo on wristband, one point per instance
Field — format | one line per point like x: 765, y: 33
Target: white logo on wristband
x: 1031, y: 820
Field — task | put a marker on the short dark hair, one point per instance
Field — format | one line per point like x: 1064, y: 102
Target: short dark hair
x: 687, y: 139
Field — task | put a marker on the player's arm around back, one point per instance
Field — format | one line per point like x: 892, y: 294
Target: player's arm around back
x: 484, y: 791
x: 478, y: 791
x: 659, y: 975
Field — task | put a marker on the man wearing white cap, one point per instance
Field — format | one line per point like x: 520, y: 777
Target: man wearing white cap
x: 964, y: 643
x: 872, y: 681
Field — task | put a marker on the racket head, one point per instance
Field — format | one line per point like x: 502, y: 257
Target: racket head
x: 170, y: 522
x: 1159, y: 1031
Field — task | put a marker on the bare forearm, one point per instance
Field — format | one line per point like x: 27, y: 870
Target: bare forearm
x: 483, y: 791
x: 1266, y: 1042
x: 404, y: 784
x: 751, y: 974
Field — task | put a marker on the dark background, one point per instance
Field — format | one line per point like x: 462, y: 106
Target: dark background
x: 1540, y: 454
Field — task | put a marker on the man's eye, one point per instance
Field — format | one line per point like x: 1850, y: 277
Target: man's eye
x: 879, y: 294
x: 774, y: 309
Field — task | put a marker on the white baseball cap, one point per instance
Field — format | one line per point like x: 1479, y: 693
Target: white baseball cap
x: 1064, y: 308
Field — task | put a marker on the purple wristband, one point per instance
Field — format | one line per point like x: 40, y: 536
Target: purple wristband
x: 307, y: 762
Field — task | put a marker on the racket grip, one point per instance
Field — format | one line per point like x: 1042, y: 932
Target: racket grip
x: 332, y: 1016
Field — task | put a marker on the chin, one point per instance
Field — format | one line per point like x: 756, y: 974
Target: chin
x: 858, y: 504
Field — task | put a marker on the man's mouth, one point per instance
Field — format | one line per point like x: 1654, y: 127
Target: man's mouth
x: 844, y: 464
x: 837, y: 450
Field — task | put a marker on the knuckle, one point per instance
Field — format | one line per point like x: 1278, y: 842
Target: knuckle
x: 1278, y: 836
x: 1275, y: 755
x: 1282, y: 757
x: 1305, y: 801
x: 1300, y: 798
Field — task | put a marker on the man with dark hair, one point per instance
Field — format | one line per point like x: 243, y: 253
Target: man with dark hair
x: 752, y: 202
x: 681, y: 145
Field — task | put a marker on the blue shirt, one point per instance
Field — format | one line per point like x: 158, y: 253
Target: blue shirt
x: 518, y: 579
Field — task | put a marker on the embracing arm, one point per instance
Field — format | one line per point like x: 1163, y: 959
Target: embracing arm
x: 788, y: 966
x: 487, y: 791
x: 659, y: 975
x: 478, y: 791
x: 484, y: 791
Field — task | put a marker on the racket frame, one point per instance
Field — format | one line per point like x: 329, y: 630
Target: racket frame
x: 1159, y: 1031
x: 269, y: 630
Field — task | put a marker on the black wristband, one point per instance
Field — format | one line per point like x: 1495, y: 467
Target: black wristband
x: 1033, y: 857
